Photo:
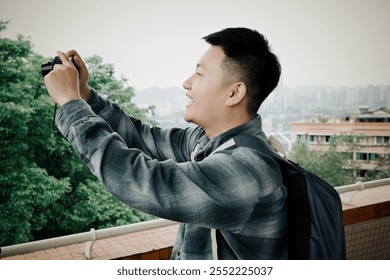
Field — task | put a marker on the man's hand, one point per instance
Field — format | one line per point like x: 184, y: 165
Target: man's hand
x: 85, y: 90
x: 62, y: 82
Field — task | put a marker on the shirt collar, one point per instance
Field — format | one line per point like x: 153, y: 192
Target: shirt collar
x: 207, y: 146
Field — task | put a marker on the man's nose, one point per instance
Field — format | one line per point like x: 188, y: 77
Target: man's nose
x: 187, y: 84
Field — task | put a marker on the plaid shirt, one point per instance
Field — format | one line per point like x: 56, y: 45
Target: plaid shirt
x: 239, y: 192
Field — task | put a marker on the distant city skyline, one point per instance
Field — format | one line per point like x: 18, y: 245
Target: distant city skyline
x: 284, y: 105
x: 158, y: 43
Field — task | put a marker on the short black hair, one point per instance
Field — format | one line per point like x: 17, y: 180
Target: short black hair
x: 249, y: 60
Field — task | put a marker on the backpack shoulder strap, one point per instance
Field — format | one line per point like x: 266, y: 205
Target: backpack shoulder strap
x: 272, y: 148
x: 252, y: 141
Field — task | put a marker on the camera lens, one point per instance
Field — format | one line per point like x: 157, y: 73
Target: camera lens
x: 47, y: 67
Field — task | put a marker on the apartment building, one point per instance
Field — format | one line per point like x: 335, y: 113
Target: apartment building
x: 366, y: 138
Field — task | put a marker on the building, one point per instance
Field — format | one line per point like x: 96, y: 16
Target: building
x: 365, y: 138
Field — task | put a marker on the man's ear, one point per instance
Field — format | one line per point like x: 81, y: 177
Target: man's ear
x: 237, y: 94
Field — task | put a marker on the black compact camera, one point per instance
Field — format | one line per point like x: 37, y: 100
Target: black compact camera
x: 47, y: 67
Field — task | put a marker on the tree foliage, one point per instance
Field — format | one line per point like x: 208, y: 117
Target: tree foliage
x: 45, y: 190
x: 328, y: 165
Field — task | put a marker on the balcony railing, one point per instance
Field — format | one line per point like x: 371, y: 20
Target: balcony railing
x: 366, y: 220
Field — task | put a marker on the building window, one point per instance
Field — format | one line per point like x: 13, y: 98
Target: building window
x: 301, y: 138
x: 361, y: 156
x: 311, y: 138
x: 363, y: 140
x: 365, y: 156
x: 382, y: 140
x: 361, y: 173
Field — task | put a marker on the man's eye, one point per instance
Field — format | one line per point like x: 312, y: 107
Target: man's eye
x: 198, y: 74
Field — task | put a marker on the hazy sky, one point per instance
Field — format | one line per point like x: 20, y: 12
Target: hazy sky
x: 158, y: 42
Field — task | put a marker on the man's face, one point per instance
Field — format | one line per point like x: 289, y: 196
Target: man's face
x: 205, y: 91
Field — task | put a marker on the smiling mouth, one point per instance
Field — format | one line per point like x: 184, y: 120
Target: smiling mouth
x: 189, y: 100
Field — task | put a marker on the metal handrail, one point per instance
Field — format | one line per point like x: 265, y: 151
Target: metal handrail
x: 362, y: 185
x: 94, y: 235
x: 348, y: 192
x: 90, y: 236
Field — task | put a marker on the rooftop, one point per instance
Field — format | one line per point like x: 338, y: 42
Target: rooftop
x: 364, y: 116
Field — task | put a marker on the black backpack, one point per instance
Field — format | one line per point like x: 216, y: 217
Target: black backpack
x: 315, y: 215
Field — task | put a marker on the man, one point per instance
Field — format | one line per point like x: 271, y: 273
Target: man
x: 231, y: 203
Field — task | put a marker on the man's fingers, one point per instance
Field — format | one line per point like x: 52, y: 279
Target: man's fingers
x: 64, y: 58
x: 72, y: 53
x: 75, y: 55
x: 79, y: 62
